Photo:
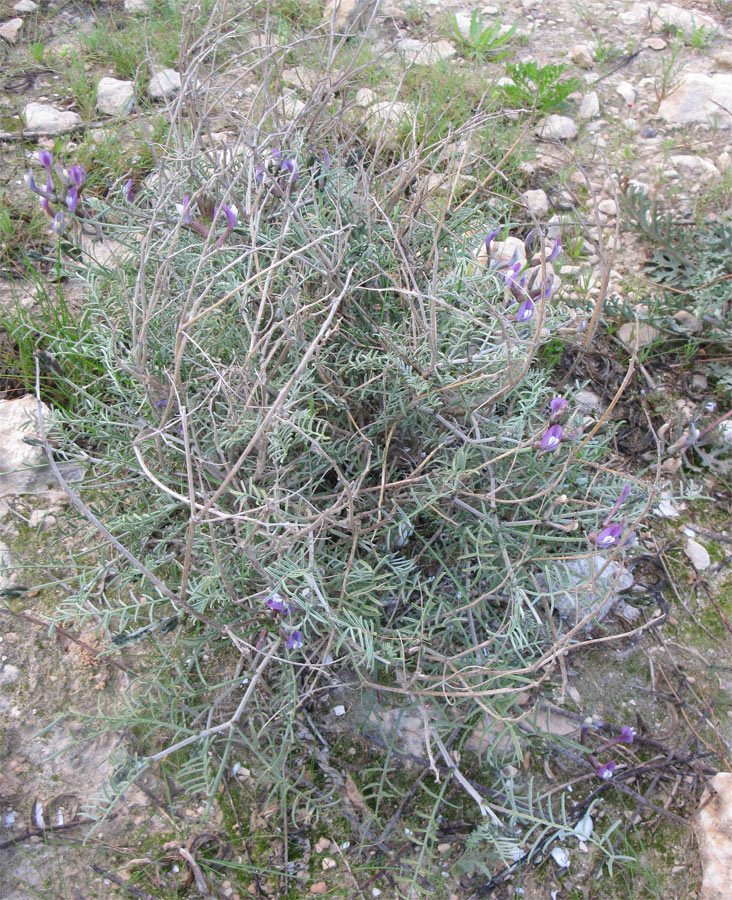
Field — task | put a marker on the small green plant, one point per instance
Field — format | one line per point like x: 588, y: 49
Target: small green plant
x: 667, y: 80
x: 483, y: 42
x: 539, y: 87
x: 38, y: 51
x: 701, y: 36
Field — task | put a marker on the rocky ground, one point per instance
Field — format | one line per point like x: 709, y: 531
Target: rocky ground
x: 653, y: 109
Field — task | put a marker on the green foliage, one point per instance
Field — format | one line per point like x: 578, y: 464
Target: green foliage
x: 539, y: 87
x: 483, y: 42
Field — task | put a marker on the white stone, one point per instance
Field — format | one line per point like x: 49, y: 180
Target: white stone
x: 697, y: 167
x: 164, y: 84
x: 713, y: 828
x: 590, y: 106
x: 25, y: 6
x: 698, y: 554
x: 627, y: 92
x: 536, y: 202
x: 41, y: 118
x: 345, y: 13
x: 425, y: 54
x: 646, y: 334
x: 700, y: 98
x: 587, y: 585
x: 688, y: 20
x: 19, y: 460
x: 558, y: 128
x: 9, y: 674
x: 462, y: 20
x: 588, y: 401
x: 609, y: 207
x: 9, y: 30
x: 114, y: 97
x: 581, y: 56
x: 137, y: 6
x: 339, y: 711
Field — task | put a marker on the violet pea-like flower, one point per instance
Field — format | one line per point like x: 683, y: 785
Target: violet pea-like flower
x: 557, y: 404
x: 552, y: 438
x: 606, y: 771
x: 77, y: 175
x: 525, y: 311
x: 276, y: 603
x: 30, y: 181
x: 622, y: 497
x: 59, y: 223
x: 608, y: 537
x: 183, y: 209
x: 556, y: 250
x: 510, y: 274
x: 72, y: 198
x: 291, y: 166
x: 128, y: 190
x: 45, y: 159
x: 294, y: 641
x: 626, y: 736
x: 326, y: 158
x: 491, y: 237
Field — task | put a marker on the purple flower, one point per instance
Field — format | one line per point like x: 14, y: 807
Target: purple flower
x: 326, y: 159
x: 606, y: 771
x: 552, y: 438
x: 276, y: 154
x: 556, y: 250
x: 44, y: 204
x: 622, y: 497
x: 259, y: 174
x: 77, y: 174
x: 183, y: 209
x: 59, y: 223
x: 530, y: 239
x: 491, y: 237
x: 291, y: 167
x: 608, y: 537
x: 45, y: 159
x: 231, y: 215
x: 510, y: 274
x: 30, y: 181
x: 525, y: 311
x: 276, y: 603
x: 128, y: 190
x: 557, y: 404
x: 72, y: 198
x: 627, y: 735
x: 294, y: 641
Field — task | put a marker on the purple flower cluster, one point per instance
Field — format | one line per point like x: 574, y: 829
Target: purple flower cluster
x: 71, y: 184
x: 607, y: 770
x: 552, y: 437
x: 521, y: 280
x: 283, y: 171
x: 611, y: 533
x: 230, y: 213
x: 278, y: 606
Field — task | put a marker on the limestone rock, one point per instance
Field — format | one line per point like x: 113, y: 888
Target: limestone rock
x: 557, y: 128
x: 20, y: 462
x: 114, y: 97
x: 537, y: 202
x: 349, y: 14
x: 581, y: 56
x: 713, y: 827
x: 627, y: 92
x: 700, y: 98
x: 137, y: 6
x: 425, y: 54
x: 590, y: 106
x: 722, y: 60
x: 25, y: 6
x: 646, y: 334
x: 697, y: 167
x: 9, y: 674
x: 41, y: 118
x: 688, y: 20
x: 9, y: 30
x: 698, y: 554
x: 609, y: 207
x: 164, y: 84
